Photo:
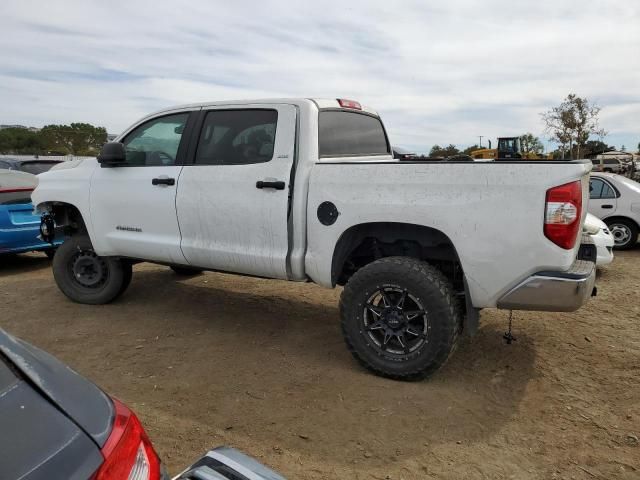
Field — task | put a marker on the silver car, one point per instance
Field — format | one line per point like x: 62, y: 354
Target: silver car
x: 616, y: 200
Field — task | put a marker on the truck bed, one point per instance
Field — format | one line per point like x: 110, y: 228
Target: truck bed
x: 492, y: 212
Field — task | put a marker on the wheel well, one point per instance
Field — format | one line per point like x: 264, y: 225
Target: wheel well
x: 619, y: 217
x: 365, y: 243
x: 66, y: 216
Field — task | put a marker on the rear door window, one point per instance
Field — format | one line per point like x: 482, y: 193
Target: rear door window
x: 349, y: 134
x: 600, y: 189
x: 237, y: 137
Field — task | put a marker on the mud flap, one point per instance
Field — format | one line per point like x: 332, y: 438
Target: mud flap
x: 471, y: 321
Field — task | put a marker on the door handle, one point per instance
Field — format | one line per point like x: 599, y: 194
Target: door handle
x: 278, y: 185
x: 607, y: 206
x: 163, y: 181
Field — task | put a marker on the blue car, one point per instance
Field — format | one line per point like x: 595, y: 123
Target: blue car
x: 19, y: 227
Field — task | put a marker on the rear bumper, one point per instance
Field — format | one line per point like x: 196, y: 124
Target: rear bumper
x: 553, y: 291
x: 24, y: 240
x: 605, y: 256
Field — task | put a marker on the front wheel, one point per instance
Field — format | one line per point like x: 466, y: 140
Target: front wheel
x: 625, y: 233
x: 400, y: 318
x: 85, y: 277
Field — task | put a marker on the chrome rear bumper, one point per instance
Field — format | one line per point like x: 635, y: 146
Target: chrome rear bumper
x: 553, y: 291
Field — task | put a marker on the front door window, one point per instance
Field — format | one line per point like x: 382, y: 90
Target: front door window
x: 155, y: 143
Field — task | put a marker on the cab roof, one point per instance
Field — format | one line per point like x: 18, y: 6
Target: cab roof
x: 320, y: 103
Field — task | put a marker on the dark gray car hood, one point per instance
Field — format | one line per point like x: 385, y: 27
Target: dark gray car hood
x: 37, y: 440
x: 83, y: 402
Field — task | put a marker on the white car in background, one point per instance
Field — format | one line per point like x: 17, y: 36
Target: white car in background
x: 602, y: 238
x: 616, y: 200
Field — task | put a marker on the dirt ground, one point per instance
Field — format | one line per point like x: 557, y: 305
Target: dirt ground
x: 261, y: 365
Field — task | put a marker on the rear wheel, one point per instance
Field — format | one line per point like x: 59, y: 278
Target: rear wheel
x: 85, y: 277
x: 400, y: 318
x: 625, y: 233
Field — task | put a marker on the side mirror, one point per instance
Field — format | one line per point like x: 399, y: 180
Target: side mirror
x: 112, y: 154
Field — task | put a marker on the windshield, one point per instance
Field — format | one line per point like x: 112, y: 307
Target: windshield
x: 509, y: 145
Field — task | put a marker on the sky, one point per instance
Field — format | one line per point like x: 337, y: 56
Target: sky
x: 437, y: 72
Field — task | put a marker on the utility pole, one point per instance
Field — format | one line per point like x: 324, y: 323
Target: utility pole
x: 481, y: 137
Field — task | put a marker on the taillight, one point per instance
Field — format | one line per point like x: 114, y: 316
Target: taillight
x: 15, y: 190
x: 563, y: 211
x: 344, y: 103
x: 128, y: 453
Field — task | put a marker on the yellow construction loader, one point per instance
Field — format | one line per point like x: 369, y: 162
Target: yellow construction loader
x: 508, y: 147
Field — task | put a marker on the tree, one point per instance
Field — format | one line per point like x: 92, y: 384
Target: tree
x: 595, y: 147
x: 572, y: 122
x: 438, y: 151
x: 531, y: 144
x: 75, y: 139
x: 19, y: 140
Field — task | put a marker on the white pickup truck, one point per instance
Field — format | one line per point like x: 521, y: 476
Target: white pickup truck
x: 308, y: 190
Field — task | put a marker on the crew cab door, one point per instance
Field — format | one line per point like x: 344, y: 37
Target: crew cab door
x: 133, y: 206
x: 233, y: 199
x: 602, y: 198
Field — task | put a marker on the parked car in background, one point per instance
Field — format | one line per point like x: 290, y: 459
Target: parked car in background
x: 226, y: 463
x: 601, y: 237
x: 29, y: 165
x: 616, y: 200
x: 19, y: 226
x: 610, y: 165
x: 56, y: 424
x: 404, y: 154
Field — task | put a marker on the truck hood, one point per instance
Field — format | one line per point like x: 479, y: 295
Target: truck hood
x: 80, y: 400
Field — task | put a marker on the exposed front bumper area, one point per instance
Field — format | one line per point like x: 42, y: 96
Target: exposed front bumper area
x: 553, y: 291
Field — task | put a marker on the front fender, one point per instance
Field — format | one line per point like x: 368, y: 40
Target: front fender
x: 66, y: 187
